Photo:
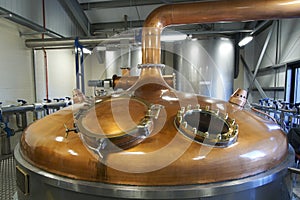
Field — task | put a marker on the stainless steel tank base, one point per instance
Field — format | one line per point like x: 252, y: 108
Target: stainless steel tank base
x: 274, y: 184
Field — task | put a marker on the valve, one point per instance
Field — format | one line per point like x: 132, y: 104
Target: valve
x: 47, y: 100
x: 68, y: 130
x: 21, y: 101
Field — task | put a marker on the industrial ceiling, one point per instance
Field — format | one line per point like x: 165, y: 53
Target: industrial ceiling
x: 104, y: 18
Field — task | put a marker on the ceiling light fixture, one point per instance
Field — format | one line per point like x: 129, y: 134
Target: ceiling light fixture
x: 245, y: 40
x: 171, y: 36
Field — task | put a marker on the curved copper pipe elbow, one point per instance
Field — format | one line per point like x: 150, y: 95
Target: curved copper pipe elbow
x: 208, y: 12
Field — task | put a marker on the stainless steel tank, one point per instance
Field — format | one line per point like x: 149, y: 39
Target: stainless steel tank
x: 126, y: 54
x: 200, y: 66
x: 205, y: 67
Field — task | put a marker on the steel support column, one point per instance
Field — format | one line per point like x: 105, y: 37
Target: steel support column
x: 251, y: 76
x: 263, y: 51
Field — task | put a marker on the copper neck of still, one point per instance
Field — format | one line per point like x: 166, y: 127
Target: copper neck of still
x: 205, y: 12
x: 150, y: 84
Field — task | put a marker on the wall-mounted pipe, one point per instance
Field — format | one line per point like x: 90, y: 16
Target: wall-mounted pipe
x: 49, y: 43
x: 208, y: 12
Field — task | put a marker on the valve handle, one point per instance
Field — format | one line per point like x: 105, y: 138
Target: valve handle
x: 22, y: 101
x: 47, y: 100
x: 68, y: 130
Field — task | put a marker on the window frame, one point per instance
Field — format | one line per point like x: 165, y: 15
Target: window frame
x: 291, y: 83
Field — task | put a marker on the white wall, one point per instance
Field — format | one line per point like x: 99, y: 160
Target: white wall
x: 61, y: 73
x: 94, y: 70
x: 16, y: 72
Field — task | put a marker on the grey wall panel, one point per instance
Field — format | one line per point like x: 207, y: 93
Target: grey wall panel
x: 29, y: 9
x: 284, y: 46
x: 57, y: 19
x: 290, y: 40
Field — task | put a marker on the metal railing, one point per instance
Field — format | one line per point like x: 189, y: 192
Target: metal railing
x: 286, y: 114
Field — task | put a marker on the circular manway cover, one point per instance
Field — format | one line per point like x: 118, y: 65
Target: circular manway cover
x: 207, y: 126
x: 122, y: 120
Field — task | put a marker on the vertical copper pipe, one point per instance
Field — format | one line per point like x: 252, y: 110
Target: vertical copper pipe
x: 207, y: 12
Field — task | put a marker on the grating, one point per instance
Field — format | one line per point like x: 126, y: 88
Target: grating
x: 7, y: 178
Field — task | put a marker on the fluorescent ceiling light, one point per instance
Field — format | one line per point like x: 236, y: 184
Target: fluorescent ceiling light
x: 171, y: 36
x: 245, y: 41
x: 86, y: 51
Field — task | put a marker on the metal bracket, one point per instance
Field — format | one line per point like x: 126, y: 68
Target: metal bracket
x: 68, y: 130
x: 154, y: 111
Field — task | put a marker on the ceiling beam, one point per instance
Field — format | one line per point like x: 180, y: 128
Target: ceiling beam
x: 123, y: 3
x: 195, y: 29
x: 72, y: 7
x: 116, y: 25
x: 27, y: 23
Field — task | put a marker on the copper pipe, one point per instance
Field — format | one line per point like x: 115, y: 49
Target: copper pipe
x: 263, y: 113
x: 207, y: 12
x: 125, y: 71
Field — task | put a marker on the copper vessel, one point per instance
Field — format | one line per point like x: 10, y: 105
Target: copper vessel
x: 152, y: 135
x: 165, y: 150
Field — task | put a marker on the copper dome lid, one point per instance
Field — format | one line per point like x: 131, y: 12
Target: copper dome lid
x: 164, y: 156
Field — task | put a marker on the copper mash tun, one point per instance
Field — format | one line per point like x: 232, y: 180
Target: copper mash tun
x: 153, y: 142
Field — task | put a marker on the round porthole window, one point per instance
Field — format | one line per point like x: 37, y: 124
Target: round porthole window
x: 206, y: 126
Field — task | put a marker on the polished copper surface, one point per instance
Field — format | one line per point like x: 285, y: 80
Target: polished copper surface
x: 114, y: 124
x: 166, y: 157
x: 46, y: 147
x: 112, y: 118
x: 125, y: 71
x: 125, y: 82
x: 239, y: 97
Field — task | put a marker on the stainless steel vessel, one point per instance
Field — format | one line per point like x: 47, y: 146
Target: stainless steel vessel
x: 205, y: 67
x: 273, y: 184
